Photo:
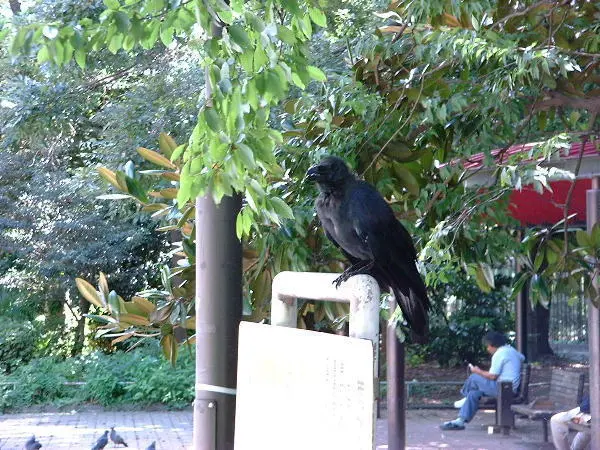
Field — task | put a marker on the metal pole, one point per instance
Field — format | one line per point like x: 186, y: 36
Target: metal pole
x: 521, y: 304
x: 593, y: 216
x: 218, y: 314
x: 396, y: 401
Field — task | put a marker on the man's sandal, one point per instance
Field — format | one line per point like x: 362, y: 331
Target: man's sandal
x: 452, y: 426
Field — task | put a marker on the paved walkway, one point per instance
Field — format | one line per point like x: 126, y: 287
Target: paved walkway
x: 173, y: 430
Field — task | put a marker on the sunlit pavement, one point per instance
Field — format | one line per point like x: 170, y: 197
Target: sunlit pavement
x: 173, y: 430
x: 170, y: 430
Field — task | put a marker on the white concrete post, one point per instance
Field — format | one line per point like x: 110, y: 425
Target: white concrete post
x: 361, y: 291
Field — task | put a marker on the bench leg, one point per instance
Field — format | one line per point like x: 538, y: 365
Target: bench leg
x: 504, y: 416
x: 545, y: 423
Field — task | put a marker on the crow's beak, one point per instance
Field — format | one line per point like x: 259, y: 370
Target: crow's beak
x: 312, y: 174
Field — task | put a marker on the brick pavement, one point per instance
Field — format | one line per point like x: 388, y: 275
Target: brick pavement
x: 172, y: 430
x: 70, y: 431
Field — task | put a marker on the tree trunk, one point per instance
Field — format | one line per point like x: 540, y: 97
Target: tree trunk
x: 15, y: 6
x: 84, y: 306
x: 542, y: 318
x: 538, y: 327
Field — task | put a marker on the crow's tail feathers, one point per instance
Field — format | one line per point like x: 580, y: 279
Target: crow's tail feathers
x: 411, y: 296
x: 415, y: 311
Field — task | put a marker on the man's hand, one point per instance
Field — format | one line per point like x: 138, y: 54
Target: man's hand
x: 483, y: 373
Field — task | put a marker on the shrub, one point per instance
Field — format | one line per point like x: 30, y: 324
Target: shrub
x: 155, y: 381
x: 139, y: 377
x: 17, y: 343
x: 458, y: 339
x: 38, y: 382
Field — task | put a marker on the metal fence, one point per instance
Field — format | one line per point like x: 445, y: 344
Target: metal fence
x: 568, y: 322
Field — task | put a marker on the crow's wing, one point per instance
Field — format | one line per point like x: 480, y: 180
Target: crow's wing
x: 393, y: 251
x: 350, y: 258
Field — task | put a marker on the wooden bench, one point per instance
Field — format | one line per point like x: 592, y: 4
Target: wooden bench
x: 502, y: 403
x: 566, y: 390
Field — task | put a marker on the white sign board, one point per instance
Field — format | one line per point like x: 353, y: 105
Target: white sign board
x: 299, y: 390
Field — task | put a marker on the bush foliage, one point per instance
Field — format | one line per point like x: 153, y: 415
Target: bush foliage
x: 111, y: 380
x: 456, y: 337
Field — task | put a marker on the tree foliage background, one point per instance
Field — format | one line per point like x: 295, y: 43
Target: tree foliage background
x: 406, y: 92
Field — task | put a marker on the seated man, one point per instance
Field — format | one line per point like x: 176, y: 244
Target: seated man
x: 506, y: 366
x: 560, y: 428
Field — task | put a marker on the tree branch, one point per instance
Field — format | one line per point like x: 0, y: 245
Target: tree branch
x: 570, y: 196
x: 523, y: 12
x: 557, y: 99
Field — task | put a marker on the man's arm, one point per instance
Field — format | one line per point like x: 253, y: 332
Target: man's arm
x: 484, y: 373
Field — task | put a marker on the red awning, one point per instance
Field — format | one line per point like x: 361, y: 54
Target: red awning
x: 531, y: 208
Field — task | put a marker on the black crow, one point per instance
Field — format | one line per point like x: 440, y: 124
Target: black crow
x: 359, y: 221
x: 101, y: 442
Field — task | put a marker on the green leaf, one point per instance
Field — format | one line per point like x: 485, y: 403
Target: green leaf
x: 166, y: 342
x: 282, y: 208
x: 481, y: 280
x: 297, y: 80
x: 596, y: 235
x: 43, y: 55
x: 153, y: 6
x: 178, y: 152
x: 518, y: 286
x: 115, y: 44
x: 122, y: 21
x: 239, y: 225
x: 407, y: 179
x: 212, y: 119
x: 286, y: 35
x: 240, y: 37
x: 166, y: 35
x: 112, y: 4
x: 260, y: 58
x: 583, y: 238
x: 539, y: 259
x: 316, y: 73
x: 135, y: 189
x: 318, y: 17
x: 226, y: 16
x: 488, y: 273
x: 292, y: 6
x: 185, y: 187
x: 128, y: 43
x: 255, y: 22
x: 246, y: 155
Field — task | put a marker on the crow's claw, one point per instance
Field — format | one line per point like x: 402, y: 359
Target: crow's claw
x: 339, y: 280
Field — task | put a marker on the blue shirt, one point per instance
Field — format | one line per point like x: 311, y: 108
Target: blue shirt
x: 506, y: 363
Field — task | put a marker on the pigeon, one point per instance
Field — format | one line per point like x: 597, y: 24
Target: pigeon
x: 101, y: 442
x: 32, y: 444
x: 116, y: 438
x: 152, y: 446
